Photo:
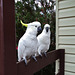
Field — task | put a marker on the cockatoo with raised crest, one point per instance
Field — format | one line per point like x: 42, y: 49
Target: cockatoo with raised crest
x: 27, y: 45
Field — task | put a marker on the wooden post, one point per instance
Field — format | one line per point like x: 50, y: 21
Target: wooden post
x: 62, y: 62
x: 1, y: 41
x: 7, y: 38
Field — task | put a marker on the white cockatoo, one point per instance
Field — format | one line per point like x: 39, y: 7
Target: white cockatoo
x: 44, y: 40
x: 27, y: 45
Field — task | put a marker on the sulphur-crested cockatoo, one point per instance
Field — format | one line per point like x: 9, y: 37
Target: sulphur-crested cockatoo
x: 44, y: 40
x: 27, y: 45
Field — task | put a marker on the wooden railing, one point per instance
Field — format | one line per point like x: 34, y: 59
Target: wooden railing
x: 8, y: 64
x: 33, y: 66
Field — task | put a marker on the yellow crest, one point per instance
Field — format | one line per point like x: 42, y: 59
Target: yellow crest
x: 23, y: 24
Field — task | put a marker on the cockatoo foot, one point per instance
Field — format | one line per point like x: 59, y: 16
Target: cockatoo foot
x: 45, y: 54
x: 34, y: 58
x: 25, y: 61
x: 40, y: 55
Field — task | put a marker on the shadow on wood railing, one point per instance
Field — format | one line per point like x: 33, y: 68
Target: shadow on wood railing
x: 33, y: 66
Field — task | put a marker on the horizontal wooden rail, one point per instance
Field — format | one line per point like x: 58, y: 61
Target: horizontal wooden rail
x: 33, y: 66
x: 8, y: 64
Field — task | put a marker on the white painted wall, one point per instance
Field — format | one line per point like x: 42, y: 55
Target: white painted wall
x: 65, y: 33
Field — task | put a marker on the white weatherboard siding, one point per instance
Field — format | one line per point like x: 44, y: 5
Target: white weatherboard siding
x: 67, y: 12
x: 66, y: 4
x: 65, y: 33
x: 70, y: 58
x: 70, y: 67
x: 70, y: 49
x: 67, y: 22
x: 69, y: 73
x: 66, y: 39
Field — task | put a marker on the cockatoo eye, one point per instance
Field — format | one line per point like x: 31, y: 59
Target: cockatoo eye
x: 35, y: 26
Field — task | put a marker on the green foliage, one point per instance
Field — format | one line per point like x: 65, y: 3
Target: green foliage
x: 29, y: 11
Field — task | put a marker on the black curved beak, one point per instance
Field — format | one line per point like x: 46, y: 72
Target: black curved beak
x: 47, y: 28
x: 39, y: 29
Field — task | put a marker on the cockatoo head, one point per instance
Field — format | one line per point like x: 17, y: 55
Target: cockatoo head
x: 35, y: 25
x: 46, y: 28
x: 33, y: 28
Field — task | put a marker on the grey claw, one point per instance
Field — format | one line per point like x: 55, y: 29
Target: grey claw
x: 34, y: 58
x: 40, y: 55
x: 45, y: 54
x: 25, y: 61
